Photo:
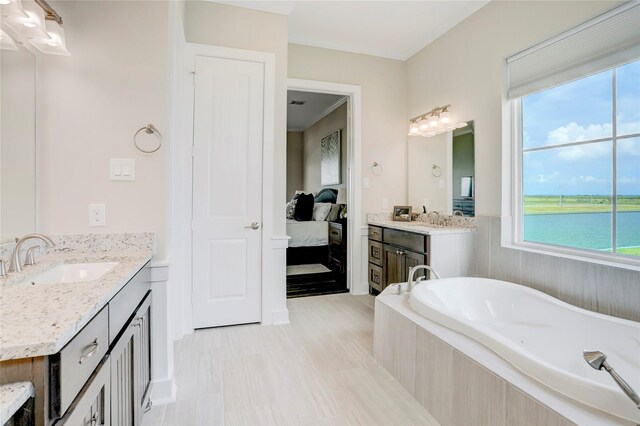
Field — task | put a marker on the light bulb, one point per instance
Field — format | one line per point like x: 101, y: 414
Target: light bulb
x: 414, y: 129
x: 433, y: 121
x: 445, y: 117
x: 424, y: 125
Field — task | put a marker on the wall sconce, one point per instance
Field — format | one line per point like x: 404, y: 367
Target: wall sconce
x: 434, y: 122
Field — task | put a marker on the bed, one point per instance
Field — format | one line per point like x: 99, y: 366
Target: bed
x: 309, y: 241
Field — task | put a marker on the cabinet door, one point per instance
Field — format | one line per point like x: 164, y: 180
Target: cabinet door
x: 392, y: 265
x: 409, y: 260
x: 91, y: 407
x: 122, y: 379
x: 142, y: 354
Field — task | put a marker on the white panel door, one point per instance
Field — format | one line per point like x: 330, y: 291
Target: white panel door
x: 227, y: 191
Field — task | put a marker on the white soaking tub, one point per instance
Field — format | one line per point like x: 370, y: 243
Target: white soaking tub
x: 540, y: 335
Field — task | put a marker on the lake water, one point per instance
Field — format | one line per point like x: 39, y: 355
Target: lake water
x: 583, y: 230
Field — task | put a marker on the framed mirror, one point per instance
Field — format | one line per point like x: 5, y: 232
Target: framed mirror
x: 441, y: 173
x: 17, y: 143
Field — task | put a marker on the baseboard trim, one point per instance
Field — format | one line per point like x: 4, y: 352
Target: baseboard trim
x: 163, y: 391
x: 280, y: 317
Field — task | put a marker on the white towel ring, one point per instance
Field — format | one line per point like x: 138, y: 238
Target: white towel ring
x: 148, y: 129
x: 436, y: 171
x: 376, y: 168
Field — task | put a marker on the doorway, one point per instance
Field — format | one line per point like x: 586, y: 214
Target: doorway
x: 355, y: 276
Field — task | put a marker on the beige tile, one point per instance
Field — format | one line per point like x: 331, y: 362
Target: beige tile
x: 523, y: 410
x: 404, y: 351
x: 479, y: 396
x: 434, y: 372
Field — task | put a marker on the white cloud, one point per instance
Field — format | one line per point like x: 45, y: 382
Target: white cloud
x: 587, y: 179
x: 628, y: 180
x: 573, y: 132
x: 595, y: 150
x: 546, y: 178
x: 629, y: 147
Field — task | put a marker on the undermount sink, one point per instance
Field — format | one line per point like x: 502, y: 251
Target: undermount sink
x: 73, y: 273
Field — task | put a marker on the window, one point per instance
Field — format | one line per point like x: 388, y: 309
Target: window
x: 580, y: 163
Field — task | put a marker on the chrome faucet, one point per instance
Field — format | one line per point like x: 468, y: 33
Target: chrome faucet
x: 412, y: 272
x: 16, y: 265
x: 431, y: 219
x: 598, y: 361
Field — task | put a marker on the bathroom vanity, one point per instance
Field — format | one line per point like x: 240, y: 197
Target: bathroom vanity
x: 396, y: 247
x: 84, y: 345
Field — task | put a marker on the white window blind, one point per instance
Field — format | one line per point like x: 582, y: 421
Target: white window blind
x: 604, y: 42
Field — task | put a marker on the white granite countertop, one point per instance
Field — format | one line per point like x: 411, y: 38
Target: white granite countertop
x: 419, y: 227
x: 12, y: 397
x: 40, y: 319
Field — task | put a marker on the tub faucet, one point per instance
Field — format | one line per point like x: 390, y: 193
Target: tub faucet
x: 16, y: 265
x: 598, y: 360
x: 412, y: 272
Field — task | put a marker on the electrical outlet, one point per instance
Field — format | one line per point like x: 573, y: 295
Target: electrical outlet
x: 365, y: 183
x: 441, y: 183
x: 385, y: 204
x: 97, y: 215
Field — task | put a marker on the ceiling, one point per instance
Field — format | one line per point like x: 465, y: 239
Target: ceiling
x: 391, y: 29
x: 316, y: 106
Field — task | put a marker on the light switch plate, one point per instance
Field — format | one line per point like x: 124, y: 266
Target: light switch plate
x: 97, y: 215
x: 122, y: 169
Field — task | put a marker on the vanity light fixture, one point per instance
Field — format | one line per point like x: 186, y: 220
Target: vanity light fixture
x: 434, y: 122
x: 36, y: 22
x: 12, y: 9
x: 31, y: 26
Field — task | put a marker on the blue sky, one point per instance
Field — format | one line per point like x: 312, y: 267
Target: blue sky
x: 582, y: 110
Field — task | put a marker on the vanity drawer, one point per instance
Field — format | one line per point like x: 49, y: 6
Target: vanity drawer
x: 123, y: 304
x: 73, y: 365
x: 375, y: 276
x: 409, y: 240
x: 375, y: 233
x: 375, y: 252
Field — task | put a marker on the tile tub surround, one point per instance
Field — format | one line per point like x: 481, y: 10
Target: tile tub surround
x: 599, y: 288
x: 459, y: 380
x: 12, y: 397
x: 39, y: 320
x: 422, y: 226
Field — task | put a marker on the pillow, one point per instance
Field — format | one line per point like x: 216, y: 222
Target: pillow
x: 320, y: 211
x: 333, y: 214
x: 327, y: 195
x: 304, y: 208
x: 291, y: 207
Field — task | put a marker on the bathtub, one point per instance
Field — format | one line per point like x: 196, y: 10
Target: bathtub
x: 540, y: 335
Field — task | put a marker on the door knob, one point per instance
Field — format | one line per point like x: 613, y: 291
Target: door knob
x: 253, y: 226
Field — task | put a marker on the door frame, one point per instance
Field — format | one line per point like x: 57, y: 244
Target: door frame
x: 356, y: 264
x: 181, y: 188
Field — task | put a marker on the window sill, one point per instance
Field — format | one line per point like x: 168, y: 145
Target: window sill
x: 575, y: 254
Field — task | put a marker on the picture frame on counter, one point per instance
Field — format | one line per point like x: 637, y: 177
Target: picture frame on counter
x: 402, y: 213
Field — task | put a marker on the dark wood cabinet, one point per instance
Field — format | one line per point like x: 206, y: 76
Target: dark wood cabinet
x: 392, y: 254
x: 338, y: 249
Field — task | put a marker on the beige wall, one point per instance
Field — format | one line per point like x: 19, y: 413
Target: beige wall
x: 295, y: 163
x: 90, y: 105
x: 18, y: 144
x: 384, y: 106
x: 336, y: 120
x: 424, y: 187
x: 240, y: 28
x: 466, y: 68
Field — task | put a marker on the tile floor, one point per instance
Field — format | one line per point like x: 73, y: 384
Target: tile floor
x: 318, y: 370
